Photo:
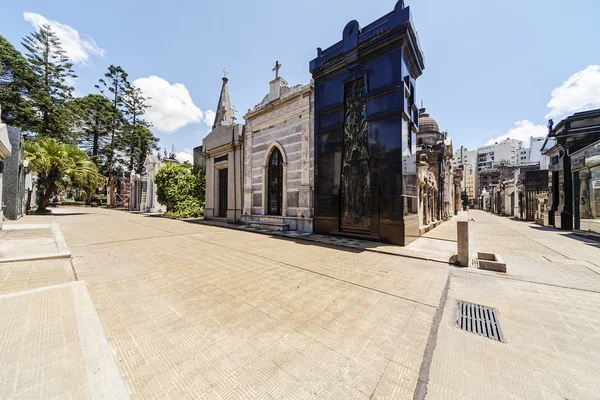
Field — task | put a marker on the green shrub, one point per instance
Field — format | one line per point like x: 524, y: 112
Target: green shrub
x: 189, y: 208
x: 181, y: 190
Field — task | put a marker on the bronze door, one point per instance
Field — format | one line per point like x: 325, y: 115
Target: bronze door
x: 223, y: 192
x: 275, y: 183
x: 355, y: 186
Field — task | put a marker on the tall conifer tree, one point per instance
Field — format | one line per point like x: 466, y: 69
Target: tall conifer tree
x: 15, y: 78
x: 49, y: 90
x: 93, y: 117
x: 138, y: 140
x: 113, y: 86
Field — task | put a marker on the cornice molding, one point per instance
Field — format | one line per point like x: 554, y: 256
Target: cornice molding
x: 280, y: 102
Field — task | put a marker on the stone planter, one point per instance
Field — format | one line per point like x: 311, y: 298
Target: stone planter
x: 491, y: 262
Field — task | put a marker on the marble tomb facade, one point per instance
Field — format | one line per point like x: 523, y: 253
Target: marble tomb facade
x: 223, y: 153
x: 278, y: 159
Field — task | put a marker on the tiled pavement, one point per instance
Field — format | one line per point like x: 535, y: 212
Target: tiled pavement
x: 195, y: 311
x: 20, y: 276
x: 424, y: 248
x: 52, y: 347
x: 549, y: 313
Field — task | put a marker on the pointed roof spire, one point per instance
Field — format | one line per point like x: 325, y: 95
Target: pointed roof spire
x: 225, y: 114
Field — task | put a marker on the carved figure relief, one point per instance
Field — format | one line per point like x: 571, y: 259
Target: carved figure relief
x: 355, y: 182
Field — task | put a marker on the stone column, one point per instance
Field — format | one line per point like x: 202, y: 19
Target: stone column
x: 462, y: 244
x: 427, y: 206
x: 264, y: 189
x: 248, y: 174
x: 305, y: 153
x: 305, y: 190
x: 210, y: 188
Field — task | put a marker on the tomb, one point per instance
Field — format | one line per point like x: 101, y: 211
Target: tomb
x: 222, y: 149
x: 365, y: 126
x: 278, y: 173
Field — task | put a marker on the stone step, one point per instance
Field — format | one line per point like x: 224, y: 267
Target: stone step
x: 272, y: 226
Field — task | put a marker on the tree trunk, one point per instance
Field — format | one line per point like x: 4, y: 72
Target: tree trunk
x: 45, y: 200
x: 96, y: 137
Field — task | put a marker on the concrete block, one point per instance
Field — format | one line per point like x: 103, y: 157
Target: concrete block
x: 462, y: 244
x: 491, y: 262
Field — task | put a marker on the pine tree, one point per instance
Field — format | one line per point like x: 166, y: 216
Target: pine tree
x: 93, y: 117
x: 15, y: 78
x: 148, y: 143
x: 49, y: 89
x: 113, y: 86
x: 134, y: 137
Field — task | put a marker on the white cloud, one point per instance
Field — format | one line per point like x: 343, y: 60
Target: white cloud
x: 209, y: 118
x: 185, y: 155
x: 580, y: 92
x: 79, y: 48
x: 171, y: 106
x: 523, y: 130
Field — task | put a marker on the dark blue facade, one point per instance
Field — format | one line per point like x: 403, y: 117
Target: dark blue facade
x: 366, y: 121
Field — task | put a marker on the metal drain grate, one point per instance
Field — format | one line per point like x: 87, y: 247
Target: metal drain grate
x: 478, y: 319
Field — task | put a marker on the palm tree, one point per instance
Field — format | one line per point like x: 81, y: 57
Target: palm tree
x: 60, y: 166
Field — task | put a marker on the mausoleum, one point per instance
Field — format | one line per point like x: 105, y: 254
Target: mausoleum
x: 143, y: 195
x: 278, y: 163
x: 223, y: 151
x: 365, y: 125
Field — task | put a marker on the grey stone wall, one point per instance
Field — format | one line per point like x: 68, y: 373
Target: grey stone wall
x: 282, y: 120
x: 14, y: 177
x: 224, y: 149
x: 198, y: 158
x: 1, y: 200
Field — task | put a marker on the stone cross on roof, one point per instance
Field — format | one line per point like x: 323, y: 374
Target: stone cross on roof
x: 225, y: 72
x: 276, y: 69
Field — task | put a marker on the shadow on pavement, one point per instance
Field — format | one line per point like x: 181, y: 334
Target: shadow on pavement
x: 579, y: 237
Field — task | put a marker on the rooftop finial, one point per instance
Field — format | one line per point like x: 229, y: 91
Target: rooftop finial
x: 224, y: 111
x: 276, y: 69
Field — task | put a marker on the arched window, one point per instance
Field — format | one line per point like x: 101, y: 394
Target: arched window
x: 275, y: 183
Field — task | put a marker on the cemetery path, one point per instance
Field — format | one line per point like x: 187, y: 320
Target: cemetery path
x: 206, y: 312
x: 198, y: 311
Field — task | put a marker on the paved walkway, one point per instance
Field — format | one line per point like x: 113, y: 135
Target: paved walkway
x: 428, y: 248
x: 52, y: 346
x: 31, y: 241
x: 206, y: 312
x: 549, y: 307
x: 197, y: 311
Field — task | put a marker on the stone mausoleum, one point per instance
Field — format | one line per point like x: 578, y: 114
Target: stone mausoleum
x: 15, y: 179
x: 5, y: 153
x: 366, y: 122
x: 143, y: 196
x: 569, y: 136
x: 345, y: 155
x: 223, y: 154
x: 278, y: 164
x: 438, y: 184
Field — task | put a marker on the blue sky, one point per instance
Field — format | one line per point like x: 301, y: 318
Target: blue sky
x: 492, y: 68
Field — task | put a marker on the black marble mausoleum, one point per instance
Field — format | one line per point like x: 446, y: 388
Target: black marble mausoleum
x: 366, y: 122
